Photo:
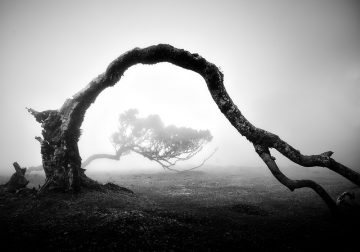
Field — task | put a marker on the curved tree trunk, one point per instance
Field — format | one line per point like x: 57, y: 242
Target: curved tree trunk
x: 61, y: 128
x: 99, y: 156
x: 119, y: 152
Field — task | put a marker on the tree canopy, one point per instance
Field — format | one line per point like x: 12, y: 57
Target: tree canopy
x: 149, y: 137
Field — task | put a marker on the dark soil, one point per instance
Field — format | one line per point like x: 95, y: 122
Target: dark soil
x: 176, y: 212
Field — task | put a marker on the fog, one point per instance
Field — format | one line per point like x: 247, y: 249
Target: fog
x: 292, y: 68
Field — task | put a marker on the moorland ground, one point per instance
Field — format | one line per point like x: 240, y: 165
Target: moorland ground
x: 190, y: 211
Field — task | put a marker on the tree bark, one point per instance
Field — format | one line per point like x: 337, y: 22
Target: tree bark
x: 61, y: 128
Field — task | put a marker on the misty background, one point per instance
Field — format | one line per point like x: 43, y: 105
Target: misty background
x: 292, y: 68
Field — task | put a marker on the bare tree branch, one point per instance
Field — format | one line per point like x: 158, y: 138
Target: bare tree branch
x: 264, y: 153
x: 323, y: 160
x: 202, y: 163
x: 100, y: 156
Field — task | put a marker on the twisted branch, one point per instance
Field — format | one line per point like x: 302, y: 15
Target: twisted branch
x: 101, y: 156
x: 264, y: 153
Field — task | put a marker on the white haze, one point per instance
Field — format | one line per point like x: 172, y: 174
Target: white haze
x: 292, y: 67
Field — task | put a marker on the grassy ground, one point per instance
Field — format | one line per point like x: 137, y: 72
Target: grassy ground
x: 192, y: 211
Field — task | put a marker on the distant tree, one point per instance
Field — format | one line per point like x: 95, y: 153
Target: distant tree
x: 149, y: 137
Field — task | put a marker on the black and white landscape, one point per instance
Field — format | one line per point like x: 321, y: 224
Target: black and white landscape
x: 179, y: 125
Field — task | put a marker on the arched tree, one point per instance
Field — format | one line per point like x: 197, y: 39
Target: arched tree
x: 61, y: 127
x: 150, y: 138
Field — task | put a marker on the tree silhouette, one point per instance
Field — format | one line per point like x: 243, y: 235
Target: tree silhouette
x: 150, y: 138
x: 61, y: 128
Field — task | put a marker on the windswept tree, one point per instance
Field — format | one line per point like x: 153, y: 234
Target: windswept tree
x: 61, y: 127
x: 150, y: 138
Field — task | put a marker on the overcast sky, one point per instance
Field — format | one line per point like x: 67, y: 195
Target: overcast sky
x: 292, y: 67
